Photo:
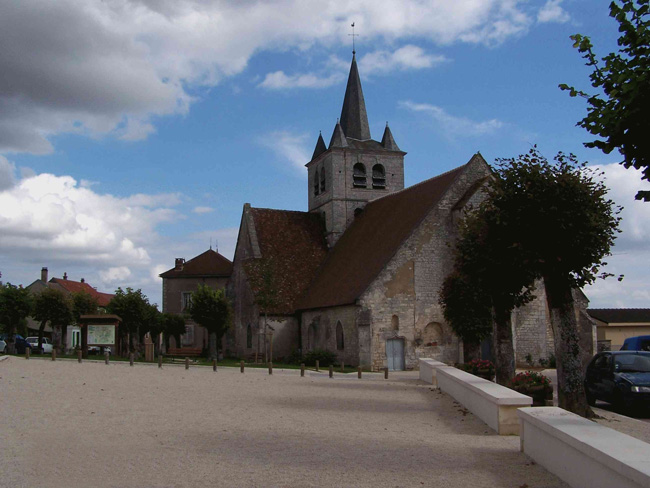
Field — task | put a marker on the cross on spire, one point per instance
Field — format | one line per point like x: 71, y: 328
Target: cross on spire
x: 353, y: 35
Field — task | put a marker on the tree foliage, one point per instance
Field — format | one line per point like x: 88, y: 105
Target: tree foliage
x: 53, y: 306
x: 211, y: 309
x: 133, y: 307
x: 171, y: 325
x: 83, y: 303
x: 15, y: 306
x: 617, y: 115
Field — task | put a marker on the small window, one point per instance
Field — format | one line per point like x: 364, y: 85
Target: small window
x: 359, y: 175
x: 316, y: 183
x: 187, y: 339
x: 186, y: 300
x: 322, y: 180
x: 340, y: 341
x: 378, y: 176
x: 249, y: 337
x: 394, y: 323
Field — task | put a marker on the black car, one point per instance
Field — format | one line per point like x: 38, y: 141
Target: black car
x: 21, y: 343
x: 621, y: 378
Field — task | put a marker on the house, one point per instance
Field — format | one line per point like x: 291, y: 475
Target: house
x: 359, y: 273
x: 614, y: 325
x: 209, y: 268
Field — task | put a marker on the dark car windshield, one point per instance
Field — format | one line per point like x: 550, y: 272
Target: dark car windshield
x: 636, y: 363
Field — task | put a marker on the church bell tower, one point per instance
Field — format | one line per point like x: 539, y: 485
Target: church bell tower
x: 354, y: 169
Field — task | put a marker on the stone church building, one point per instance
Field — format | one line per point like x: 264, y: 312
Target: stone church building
x: 359, y: 272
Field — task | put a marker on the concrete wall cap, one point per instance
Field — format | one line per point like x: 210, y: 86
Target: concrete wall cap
x: 493, y: 392
x: 620, y: 452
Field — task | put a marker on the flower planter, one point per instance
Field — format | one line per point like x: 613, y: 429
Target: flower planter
x: 485, y: 374
x: 539, y: 394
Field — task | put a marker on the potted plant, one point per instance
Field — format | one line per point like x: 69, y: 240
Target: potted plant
x: 535, y: 385
x: 479, y: 367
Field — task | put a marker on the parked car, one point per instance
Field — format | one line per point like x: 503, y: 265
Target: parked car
x: 21, y: 343
x: 621, y: 378
x: 46, y: 345
x: 638, y: 343
x: 3, y: 346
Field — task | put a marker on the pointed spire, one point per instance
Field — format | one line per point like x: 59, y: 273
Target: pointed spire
x: 388, y: 141
x: 354, y: 119
x: 320, y: 147
x: 338, y: 137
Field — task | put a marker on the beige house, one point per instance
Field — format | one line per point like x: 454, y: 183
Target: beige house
x: 614, y: 325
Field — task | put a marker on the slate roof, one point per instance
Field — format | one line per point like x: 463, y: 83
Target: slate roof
x: 354, y: 119
x: 371, y: 241
x: 620, y: 315
x: 209, y: 263
x: 76, y: 287
x: 295, y: 243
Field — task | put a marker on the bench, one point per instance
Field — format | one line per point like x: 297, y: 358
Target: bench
x: 183, y: 352
x: 581, y: 452
x: 428, y: 370
x: 494, y: 404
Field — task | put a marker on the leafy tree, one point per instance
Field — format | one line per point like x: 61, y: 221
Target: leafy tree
x: 171, y: 325
x: 15, y: 306
x: 53, y: 306
x: 211, y: 309
x: 263, y: 281
x: 83, y: 303
x: 618, y: 115
x: 133, y: 307
x: 562, y: 226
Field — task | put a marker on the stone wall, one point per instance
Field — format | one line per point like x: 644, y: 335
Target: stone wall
x: 319, y: 331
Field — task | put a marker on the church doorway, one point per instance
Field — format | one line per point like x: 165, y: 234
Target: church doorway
x: 395, y: 354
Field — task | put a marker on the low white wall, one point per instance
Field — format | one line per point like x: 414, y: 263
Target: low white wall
x: 494, y: 404
x: 428, y: 368
x: 583, y: 453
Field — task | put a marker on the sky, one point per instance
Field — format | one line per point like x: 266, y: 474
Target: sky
x: 132, y: 132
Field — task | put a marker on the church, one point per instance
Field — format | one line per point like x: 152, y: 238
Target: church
x: 359, y: 273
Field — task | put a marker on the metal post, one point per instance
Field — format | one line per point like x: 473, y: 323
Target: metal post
x: 131, y: 357
x: 79, y: 355
x: 317, y: 365
x: 187, y: 363
x: 214, y: 365
x: 160, y: 360
x: 331, y: 371
x: 302, y: 369
x: 385, y: 373
x: 241, y: 367
x: 106, y: 357
x: 270, y: 368
x: 53, y: 354
x: 359, y: 372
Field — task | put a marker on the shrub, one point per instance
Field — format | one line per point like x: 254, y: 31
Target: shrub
x: 324, y: 358
x: 521, y: 381
x: 476, y: 365
x: 294, y: 358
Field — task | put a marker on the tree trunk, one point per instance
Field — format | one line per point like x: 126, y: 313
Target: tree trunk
x: 213, y: 346
x: 504, y: 352
x: 570, y: 376
x: 11, y: 340
x: 41, y: 329
x: 56, y: 337
x: 64, y: 336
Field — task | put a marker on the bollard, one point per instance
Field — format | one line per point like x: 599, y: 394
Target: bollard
x: 79, y: 354
x: 131, y: 359
x: 270, y: 368
x: 160, y: 360
x: 27, y: 351
x: 241, y: 367
x: 359, y: 372
x: 302, y: 369
x: 385, y: 373
x: 342, y: 367
x: 331, y: 371
x: 106, y: 357
x: 53, y: 354
x: 187, y: 363
x: 214, y: 365
x: 317, y: 365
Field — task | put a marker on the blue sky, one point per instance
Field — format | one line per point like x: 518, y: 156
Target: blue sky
x: 132, y: 132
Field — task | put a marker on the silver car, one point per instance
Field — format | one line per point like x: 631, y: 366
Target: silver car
x: 46, y: 346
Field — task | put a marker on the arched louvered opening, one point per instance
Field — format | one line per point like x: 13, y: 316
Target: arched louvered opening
x: 359, y: 175
x: 322, y: 181
x: 316, y: 183
x: 378, y: 176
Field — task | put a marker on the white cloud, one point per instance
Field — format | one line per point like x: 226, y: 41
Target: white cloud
x: 291, y: 148
x: 115, y: 275
x: 7, y: 174
x: 116, y: 65
x: 278, y: 80
x: 454, y: 126
x: 553, y: 12
x: 408, y: 57
x: 202, y: 210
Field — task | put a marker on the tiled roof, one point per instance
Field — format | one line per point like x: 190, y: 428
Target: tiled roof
x: 620, y: 315
x: 294, y: 243
x: 371, y: 241
x: 76, y: 287
x: 209, y: 263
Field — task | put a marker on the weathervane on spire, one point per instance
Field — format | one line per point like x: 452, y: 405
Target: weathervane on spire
x: 353, y: 36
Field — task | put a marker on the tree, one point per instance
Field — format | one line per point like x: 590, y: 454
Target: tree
x: 562, y: 227
x: 618, y: 117
x: 133, y: 307
x: 83, y: 303
x: 211, y: 309
x: 264, y: 284
x: 171, y: 325
x: 15, y: 306
x: 53, y: 306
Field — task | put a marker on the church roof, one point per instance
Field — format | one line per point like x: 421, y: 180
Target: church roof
x: 354, y: 119
x: 371, y: 241
x: 295, y: 244
x: 209, y: 263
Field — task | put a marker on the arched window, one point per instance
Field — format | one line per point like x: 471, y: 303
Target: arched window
x: 340, y: 341
x: 359, y: 175
x: 378, y: 176
x: 394, y: 322
x: 249, y: 337
x: 311, y: 337
x: 433, y: 334
x: 322, y: 180
x: 316, y: 183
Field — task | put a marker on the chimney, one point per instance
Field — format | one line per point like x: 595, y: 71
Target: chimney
x: 82, y: 280
x: 44, y: 274
x: 179, y: 264
x: 65, y: 275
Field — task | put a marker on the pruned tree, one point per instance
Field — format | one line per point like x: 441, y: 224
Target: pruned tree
x: 263, y: 279
x: 171, y: 325
x: 617, y: 113
x: 211, y: 309
x: 15, y: 306
x: 133, y: 307
x: 53, y: 306
x: 83, y: 303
